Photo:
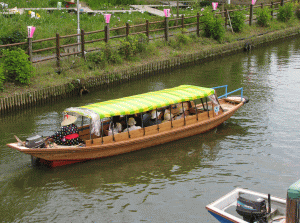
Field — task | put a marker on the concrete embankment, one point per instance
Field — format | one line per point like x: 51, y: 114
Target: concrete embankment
x: 52, y: 94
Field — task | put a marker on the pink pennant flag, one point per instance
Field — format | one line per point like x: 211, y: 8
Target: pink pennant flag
x: 167, y: 12
x: 253, y: 2
x: 32, y: 31
x: 214, y: 5
x: 107, y: 17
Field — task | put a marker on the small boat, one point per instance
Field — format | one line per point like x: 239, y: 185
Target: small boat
x: 188, y: 110
x: 244, y: 206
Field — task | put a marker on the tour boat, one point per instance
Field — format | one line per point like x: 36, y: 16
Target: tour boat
x: 244, y: 206
x: 192, y: 109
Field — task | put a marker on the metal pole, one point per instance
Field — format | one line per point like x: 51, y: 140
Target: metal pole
x: 157, y: 121
x: 196, y: 109
x: 102, y: 130
x: 171, y: 116
x: 142, y: 122
x: 183, y: 112
x: 127, y: 127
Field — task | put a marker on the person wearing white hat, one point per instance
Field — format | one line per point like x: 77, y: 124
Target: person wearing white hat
x: 68, y: 134
x: 168, y: 116
x: 132, y: 126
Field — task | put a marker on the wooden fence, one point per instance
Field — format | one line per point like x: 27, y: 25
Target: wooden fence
x: 63, y: 50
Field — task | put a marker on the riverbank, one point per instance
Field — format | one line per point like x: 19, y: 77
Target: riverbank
x: 18, y: 97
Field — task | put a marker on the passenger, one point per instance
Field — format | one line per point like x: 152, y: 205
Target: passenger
x: 146, y: 119
x: 115, y: 125
x: 131, y: 123
x: 168, y: 116
x: 154, y: 120
x: 68, y: 134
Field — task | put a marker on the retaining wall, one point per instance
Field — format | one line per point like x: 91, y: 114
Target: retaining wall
x: 52, y: 94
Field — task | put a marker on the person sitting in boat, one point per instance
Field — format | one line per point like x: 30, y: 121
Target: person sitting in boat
x: 115, y: 125
x: 146, y: 119
x: 132, y: 126
x: 155, y: 117
x: 68, y: 134
x: 168, y: 116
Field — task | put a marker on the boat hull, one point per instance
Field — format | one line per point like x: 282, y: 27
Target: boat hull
x: 95, y: 149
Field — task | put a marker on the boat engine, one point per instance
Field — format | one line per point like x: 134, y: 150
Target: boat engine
x: 252, y: 211
x: 35, y: 142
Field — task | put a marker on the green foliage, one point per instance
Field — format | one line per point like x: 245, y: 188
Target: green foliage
x: 285, y: 12
x: 133, y: 45
x: 13, y: 34
x: 297, y: 11
x: 2, y: 77
x: 238, y: 21
x: 94, y: 4
x: 107, y: 55
x: 16, y: 66
x: 264, y: 17
x: 180, y: 40
x: 213, y: 26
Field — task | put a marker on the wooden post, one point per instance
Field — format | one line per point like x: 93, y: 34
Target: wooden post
x: 147, y: 29
x: 177, y: 16
x: 106, y: 29
x: 127, y: 29
x: 182, y: 21
x: 262, y: 5
x: 167, y: 29
x: 251, y: 15
x: 291, y: 210
x: 30, y: 49
x: 57, y: 50
x: 226, y: 17
x: 281, y: 2
x: 198, y: 24
x: 272, y: 8
x: 82, y: 44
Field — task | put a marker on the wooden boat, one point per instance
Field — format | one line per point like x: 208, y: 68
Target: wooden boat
x: 202, y: 111
x: 244, y: 206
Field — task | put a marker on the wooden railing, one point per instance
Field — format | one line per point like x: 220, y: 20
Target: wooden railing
x: 146, y: 27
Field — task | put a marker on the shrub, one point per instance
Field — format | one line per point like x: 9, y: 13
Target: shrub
x: 264, y: 17
x: 16, y: 66
x: 238, y: 21
x: 133, y: 45
x: 285, y: 12
x: 213, y: 26
x: 297, y: 11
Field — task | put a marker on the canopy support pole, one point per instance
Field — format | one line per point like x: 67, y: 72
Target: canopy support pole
x: 171, y: 116
x: 207, y: 106
x: 196, y: 109
x: 82, y: 121
x: 183, y: 112
x: 127, y: 127
x: 143, y: 123
x: 112, y: 129
x: 102, y: 130
x: 91, y: 131
x: 157, y: 120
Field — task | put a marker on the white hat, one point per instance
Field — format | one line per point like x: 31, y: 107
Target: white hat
x: 153, y: 114
x: 131, y: 121
x: 167, y: 115
x: 68, y: 119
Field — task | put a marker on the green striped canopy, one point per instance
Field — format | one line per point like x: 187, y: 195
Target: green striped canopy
x: 144, y: 102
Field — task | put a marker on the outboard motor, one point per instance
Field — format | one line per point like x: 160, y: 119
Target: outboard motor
x: 252, y: 211
x: 35, y: 142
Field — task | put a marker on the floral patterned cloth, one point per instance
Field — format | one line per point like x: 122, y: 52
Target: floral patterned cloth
x: 67, y: 135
